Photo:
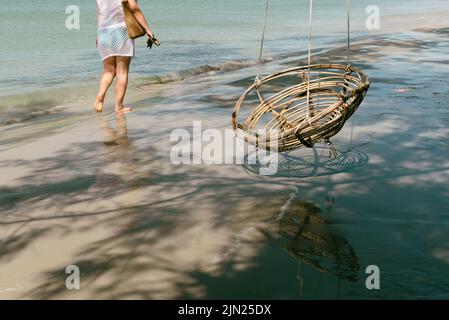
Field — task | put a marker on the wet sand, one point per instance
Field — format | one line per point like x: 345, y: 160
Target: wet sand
x: 100, y: 192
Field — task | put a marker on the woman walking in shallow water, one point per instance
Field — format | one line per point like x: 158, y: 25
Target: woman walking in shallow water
x: 116, y: 49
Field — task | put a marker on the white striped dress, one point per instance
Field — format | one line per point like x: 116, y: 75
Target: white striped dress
x: 113, y: 39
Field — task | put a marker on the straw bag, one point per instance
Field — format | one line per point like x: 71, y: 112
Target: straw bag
x: 135, y: 30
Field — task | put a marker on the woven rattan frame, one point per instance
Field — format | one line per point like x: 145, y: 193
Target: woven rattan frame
x: 292, y: 118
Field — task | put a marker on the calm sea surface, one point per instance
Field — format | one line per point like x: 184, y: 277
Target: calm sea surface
x: 38, y: 52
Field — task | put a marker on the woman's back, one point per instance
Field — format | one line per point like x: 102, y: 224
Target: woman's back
x: 110, y: 13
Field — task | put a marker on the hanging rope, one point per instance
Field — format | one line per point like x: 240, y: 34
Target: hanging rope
x: 262, y: 42
x: 348, y: 68
x: 309, y: 60
x: 349, y: 30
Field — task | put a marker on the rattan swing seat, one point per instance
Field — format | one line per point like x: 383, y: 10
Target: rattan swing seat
x: 313, y: 109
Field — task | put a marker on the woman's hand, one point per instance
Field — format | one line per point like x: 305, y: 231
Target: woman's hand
x: 150, y: 34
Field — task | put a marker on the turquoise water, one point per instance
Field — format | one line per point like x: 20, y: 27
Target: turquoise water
x: 38, y: 52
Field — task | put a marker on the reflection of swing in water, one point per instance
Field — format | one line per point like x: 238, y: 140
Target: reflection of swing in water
x: 306, y: 236
x: 315, y: 107
x: 308, y: 240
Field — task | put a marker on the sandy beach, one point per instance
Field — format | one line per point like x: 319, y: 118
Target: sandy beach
x: 101, y: 193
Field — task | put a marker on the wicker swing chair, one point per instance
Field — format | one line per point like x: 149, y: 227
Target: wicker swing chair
x: 314, y: 108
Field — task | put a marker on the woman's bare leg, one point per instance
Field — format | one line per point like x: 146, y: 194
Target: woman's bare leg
x: 121, y: 83
x: 105, y: 82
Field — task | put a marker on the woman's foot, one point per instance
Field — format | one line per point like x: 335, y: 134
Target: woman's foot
x: 123, y: 110
x: 98, y: 105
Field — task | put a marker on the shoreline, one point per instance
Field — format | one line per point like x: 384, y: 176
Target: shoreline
x: 139, y: 94
x: 74, y: 92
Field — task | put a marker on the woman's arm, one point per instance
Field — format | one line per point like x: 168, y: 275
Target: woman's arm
x: 135, y: 9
